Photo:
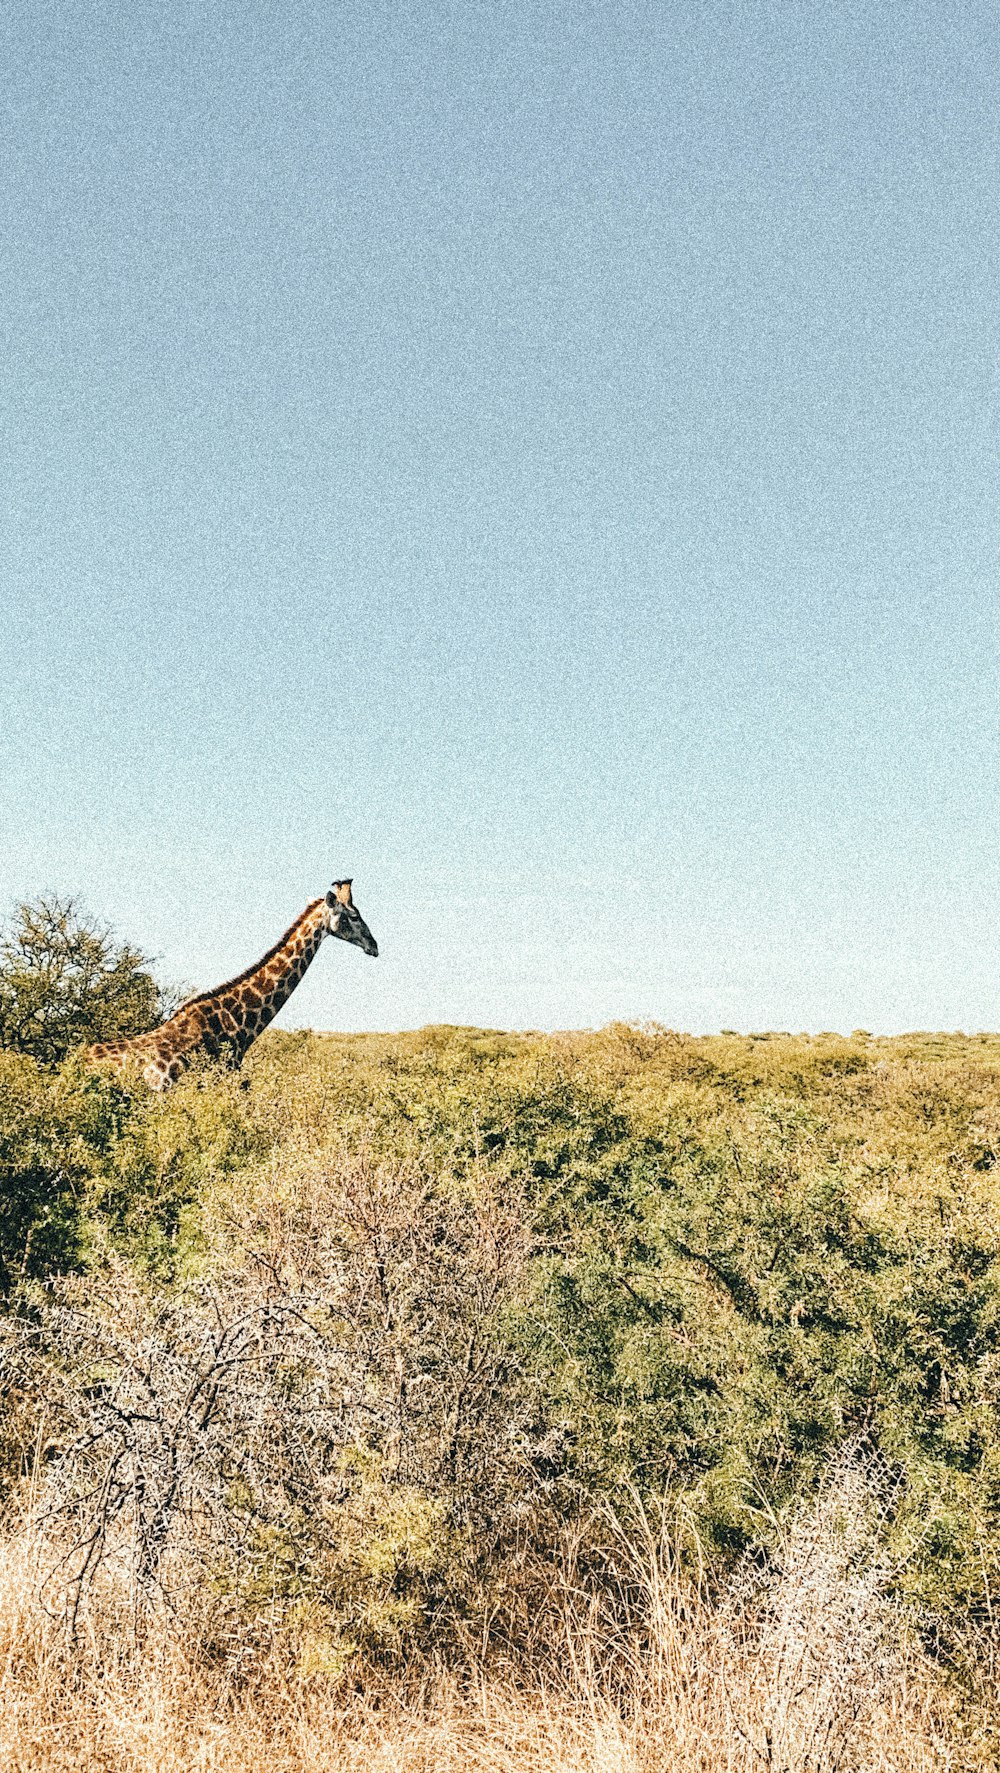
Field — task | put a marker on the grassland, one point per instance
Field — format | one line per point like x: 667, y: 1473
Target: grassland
x: 457, y: 1398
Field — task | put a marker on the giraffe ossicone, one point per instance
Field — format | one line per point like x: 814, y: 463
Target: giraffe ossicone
x: 225, y: 1022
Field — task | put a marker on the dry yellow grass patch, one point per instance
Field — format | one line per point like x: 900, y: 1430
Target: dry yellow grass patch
x: 812, y: 1674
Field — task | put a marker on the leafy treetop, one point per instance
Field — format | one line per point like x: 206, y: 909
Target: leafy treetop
x: 66, y: 979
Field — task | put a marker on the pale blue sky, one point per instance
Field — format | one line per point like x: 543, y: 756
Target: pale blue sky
x: 540, y: 459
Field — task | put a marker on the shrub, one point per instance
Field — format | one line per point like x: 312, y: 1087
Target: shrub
x: 65, y: 979
x: 328, y: 1421
x: 502, y: 1280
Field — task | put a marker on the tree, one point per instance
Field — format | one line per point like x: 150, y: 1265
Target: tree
x: 66, y: 979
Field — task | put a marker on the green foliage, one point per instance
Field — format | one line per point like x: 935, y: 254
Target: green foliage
x: 48, y: 1135
x: 604, y: 1262
x: 91, y: 1167
x: 65, y: 980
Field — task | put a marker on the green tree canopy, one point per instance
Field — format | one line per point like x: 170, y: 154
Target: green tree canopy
x: 66, y: 979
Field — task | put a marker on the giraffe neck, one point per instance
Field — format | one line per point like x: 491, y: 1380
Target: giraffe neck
x: 238, y: 1011
x: 227, y: 1020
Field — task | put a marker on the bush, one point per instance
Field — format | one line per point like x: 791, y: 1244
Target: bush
x: 66, y: 980
x: 532, y: 1275
x: 328, y: 1422
x: 53, y: 1129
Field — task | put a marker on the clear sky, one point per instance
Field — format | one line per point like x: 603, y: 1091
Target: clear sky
x: 540, y: 459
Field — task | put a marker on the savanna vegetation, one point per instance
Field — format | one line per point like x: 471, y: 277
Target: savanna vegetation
x: 458, y: 1398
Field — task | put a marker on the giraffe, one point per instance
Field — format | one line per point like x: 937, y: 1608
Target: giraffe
x: 224, y: 1023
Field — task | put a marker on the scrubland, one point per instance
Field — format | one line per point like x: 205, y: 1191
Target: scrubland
x: 459, y: 1399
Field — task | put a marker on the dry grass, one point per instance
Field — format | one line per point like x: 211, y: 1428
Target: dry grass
x: 806, y: 1668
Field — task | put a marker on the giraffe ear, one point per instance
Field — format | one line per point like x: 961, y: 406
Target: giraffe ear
x: 341, y: 889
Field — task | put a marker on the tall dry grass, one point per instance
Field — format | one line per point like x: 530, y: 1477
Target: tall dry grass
x: 803, y: 1667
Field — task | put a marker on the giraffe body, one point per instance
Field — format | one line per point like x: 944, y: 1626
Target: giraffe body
x: 224, y: 1023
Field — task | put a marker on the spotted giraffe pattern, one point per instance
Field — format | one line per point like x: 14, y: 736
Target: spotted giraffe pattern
x: 224, y: 1023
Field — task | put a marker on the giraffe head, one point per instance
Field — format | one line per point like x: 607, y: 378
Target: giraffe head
x: 343, y: 919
